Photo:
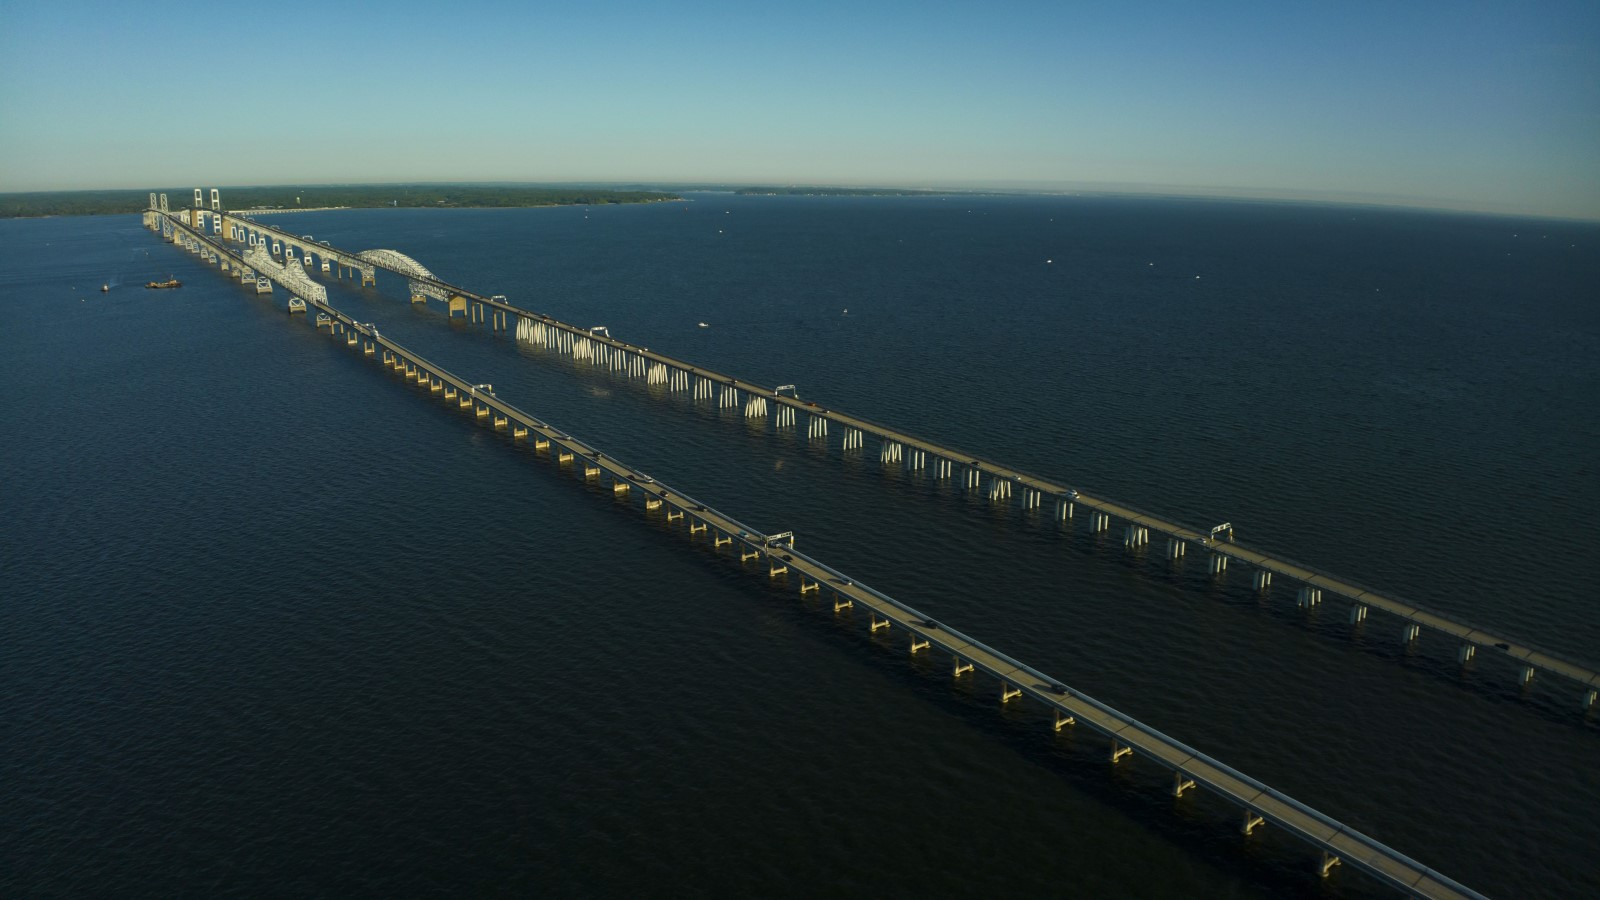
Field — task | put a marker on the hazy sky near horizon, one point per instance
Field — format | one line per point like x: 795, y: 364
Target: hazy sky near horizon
x: 1481, y: 105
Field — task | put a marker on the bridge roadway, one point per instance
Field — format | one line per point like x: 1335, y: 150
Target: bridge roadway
x: 1587, y: 677
x: 1191, y: 768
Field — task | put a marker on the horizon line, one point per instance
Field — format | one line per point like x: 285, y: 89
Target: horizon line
x: 990, y: 187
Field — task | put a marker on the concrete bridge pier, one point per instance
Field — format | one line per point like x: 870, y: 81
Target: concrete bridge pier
x: 889, y: 452
x: 999, y: 489
x: 1262, y: 580
x: 816, y: 427
x: 1063, y: 509
x: 755, y: 406
x: 728, y: 398
x: 1031, y: 498
x: 1219, y: 564
x: 916, y: 459
x: 1590, y: 698
x: 943, y: 468
x: 1466, y: 652
x: 1098, y: 522
x: 1525, y: 676
x: 1410, y: 633
x: 853, y: 439
x: 1135, y: 536
x: 1175, y: 548
x: 1308, y: 596
x: 1358, y: 614
x: 783, y: 417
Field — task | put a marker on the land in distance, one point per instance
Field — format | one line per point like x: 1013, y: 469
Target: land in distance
x: 442, y: 196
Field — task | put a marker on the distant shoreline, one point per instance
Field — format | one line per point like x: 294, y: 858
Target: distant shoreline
x: 273, y: 200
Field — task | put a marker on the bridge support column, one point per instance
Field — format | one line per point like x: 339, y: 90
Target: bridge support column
x: 1525, y: 676
x: 1219, y: 564
x: 1098, y: 522
x: 720, y: 539
x: 1063, y: 510
x: 999, y: 489
x: 878, y: 623
x: 674, y: 514
x: 1135, y: 536
x: 853, y: 439
x: 728, y: 398
x: 1251, y: 821
x: 1063, y: 721
x: 1410, y: 633
x: 1119, y: 750
x: 1180, y: 783
x: 1008, y: 693
x: 1175, y: 548
x: 783, y: 417
x: 747, y: 552
x: 807, y: 584
x: 1328, y: 862
x: 1308, y: 596
x: 916, y: 644
x: 842, y: 603
x: 1466, y: 653
x: 1262, y: 580
x: 698, y: 525
x: 1590, y: 698
x: 1358, y: 614
x: 961, y: 668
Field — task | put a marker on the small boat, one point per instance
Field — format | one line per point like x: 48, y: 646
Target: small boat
x: 169, y: 283
x: 704, y: 325
x: 105, y: 288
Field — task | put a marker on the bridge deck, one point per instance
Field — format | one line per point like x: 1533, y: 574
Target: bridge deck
x: 1386, y: 864
x: 1583, y: 674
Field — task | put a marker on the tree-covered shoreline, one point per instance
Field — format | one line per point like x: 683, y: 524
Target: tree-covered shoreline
x: 359, y: 196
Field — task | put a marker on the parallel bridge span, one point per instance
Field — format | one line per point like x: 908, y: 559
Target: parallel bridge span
x: 1127, y: 736
x: 897, y: 447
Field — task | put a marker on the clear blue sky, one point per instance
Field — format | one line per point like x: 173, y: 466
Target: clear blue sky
x: 1476, y: 105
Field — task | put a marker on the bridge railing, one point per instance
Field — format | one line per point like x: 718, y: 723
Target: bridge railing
x: 1152, y: 734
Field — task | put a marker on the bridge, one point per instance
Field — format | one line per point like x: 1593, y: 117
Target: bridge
x: 1002, y: 483
x: 1128, y: 738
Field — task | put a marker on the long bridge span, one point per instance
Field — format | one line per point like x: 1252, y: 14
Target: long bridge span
x: 1002, y: 483
x: 1259, y: 803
